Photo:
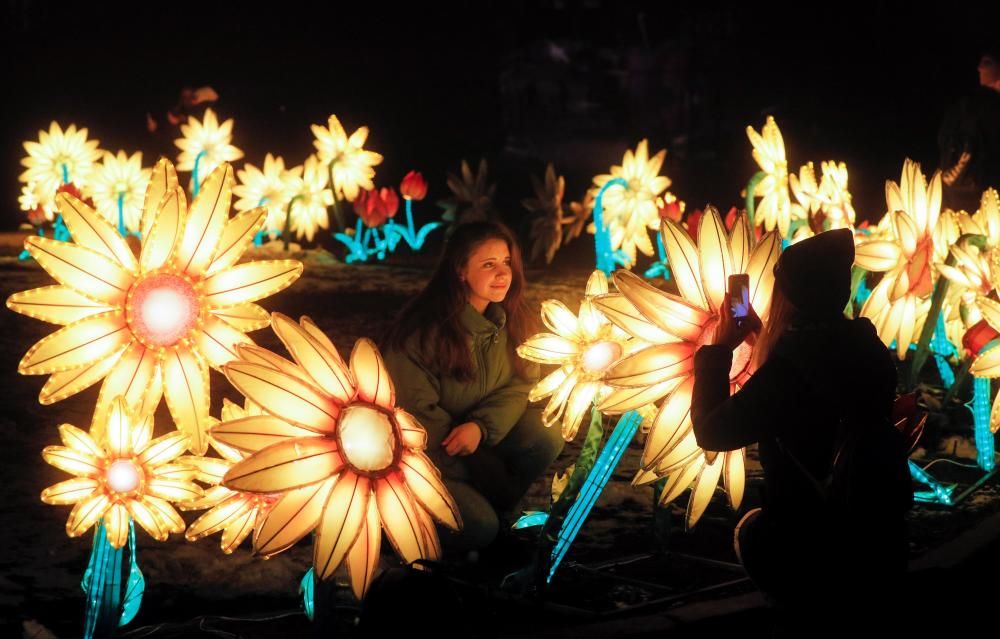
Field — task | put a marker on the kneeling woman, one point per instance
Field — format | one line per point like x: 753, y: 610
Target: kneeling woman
x: 451, y: 355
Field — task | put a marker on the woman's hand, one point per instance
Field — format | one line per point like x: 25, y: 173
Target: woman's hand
x: 463, y: 439
x: 732, y: 333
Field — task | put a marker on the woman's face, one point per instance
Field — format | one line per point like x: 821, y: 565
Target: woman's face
x: 487, y: 273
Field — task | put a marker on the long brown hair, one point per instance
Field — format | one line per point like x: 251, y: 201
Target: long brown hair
x: 780, y: 316
x: 434, y: 315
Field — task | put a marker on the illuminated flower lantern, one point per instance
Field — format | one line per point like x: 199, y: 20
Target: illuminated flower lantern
x: 121, y: 476
x: 59, y: 157
x: 119, y: 188
x: 585, y: 347
x: 308, y: 196
x: 350, y: 165
x: 236, y: 514
x: 205, y: 145
x: 374, y: 209
x: 674, y: 328
x: 345, y: 461
x: 971, y: 271
x: 771, y: 184
x: 38, y: 205
x: 150, y: 326
x: 908, y: 256
x: 267, y: 188
x: 627, y: 205
x: 820, y: 207
x: 412, y: 188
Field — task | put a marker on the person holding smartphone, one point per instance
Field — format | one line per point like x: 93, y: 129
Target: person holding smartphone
x: 813, y: 367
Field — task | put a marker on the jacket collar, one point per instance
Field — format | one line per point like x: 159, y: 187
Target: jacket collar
x: 489, y: 322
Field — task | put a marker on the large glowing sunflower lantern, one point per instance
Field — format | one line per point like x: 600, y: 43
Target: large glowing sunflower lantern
x: 344, y: 459
x: 629, y: 212
x: 675, y: 326
x: 909, y: 256
x: 585, y: 347
x: 125, y: 474
x: 150, y: 326
x: 60, y: 157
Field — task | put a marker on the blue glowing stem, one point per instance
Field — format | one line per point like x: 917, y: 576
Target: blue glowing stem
x: 194, y: 174
x: 941, y: 492
x: 121, y: 215
x: 604, y: 466
x: 258, y: 237
x: 65, y: 173
x: 985, y: 444
x: 60, y: 231
x: 110, y: 602
x: 602, y: 239
x: 409, y: 218
x: 307, y: 586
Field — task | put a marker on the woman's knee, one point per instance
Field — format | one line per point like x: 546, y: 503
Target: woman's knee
x: 480, y: 523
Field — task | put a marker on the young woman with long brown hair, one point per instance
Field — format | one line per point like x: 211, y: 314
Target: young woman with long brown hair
x: 451, y: 353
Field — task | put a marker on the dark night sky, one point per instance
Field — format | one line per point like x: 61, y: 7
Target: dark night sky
x: 867, y: 85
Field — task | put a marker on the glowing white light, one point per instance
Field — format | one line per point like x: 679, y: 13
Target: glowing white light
x: 367, y: 437
x: 164, y: 308
x: 600, y: 356
x: 123, y: 476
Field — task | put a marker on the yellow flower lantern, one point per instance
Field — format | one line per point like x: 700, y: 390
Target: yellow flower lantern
x: 267, y: 187
x: 151, y: 325
x: 344, y: 460
x: 118, y: 185
x: 206, y: 145
x: 307, y: 189
x: 59, y: 157
x: 774, y: 210
x: 351, y: 166
x: 675, y: 327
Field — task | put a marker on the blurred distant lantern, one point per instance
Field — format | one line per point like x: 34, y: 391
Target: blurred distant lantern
x: 266, y: 187
x: 152, y: 325
x: 121, y: 476
x: 628, y: 202
x: 345, y: 460
x: 674, y: 327
x: 38, y: 206
x: 205, y: 146
x: 413, y: 188
x: 771, y: 184
x: 350, y: 165
x: 59, y: 157
x: 119, y: 188
x: 584, y: 347
x: 308, y: 196
x: 374, y: 208
x: 908, y: 255
x: 549, y: 216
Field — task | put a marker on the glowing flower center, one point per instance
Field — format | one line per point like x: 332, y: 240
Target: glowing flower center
x: 367, y: 437
x: 600, y: 356
x: 123, y: 476
x: 163, y: 309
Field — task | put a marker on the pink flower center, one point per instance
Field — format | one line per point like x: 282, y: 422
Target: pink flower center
x: 162, y: 309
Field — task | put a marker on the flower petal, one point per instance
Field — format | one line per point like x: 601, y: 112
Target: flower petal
x: 684, y: 264
x: 162, y: 180
x: 326, y: 368
x: 620, y: 311
x: 186, y: 389
x: 163, y: 449
x: 118, y: 430
x: 80, y: 441
x: 678, y: 482
x: 281, y: 394
x: 652, y: 365
x: 165, y: 230
x: 398, y: 513
x: 173, y: 489
x: 412, y: 434
x: 93, y: 231
x: 64, y: 384
x: 70, y: 491
x: 165, y: 513
x: 251, y: 434
x: 273, y: 361
x: 362, y: 560
x: 249, y: 282
x: 132, y: 378
x: 672, y: 418
x: 236, y: 237
x: 87, y: 272
x: 621, y: 400
x: 761, y: 271
x: 702, y: 492
x: 291, y: 518
x: 734, y: 474
x: 547, y: 348
x: 549, y: 383
x: 674, y: 315
x: 739, y: 244
x: 286, y: 465
x: 343, y: 517
x: 116, y: 525
x: 424, y: 482
x: 86, y: 513
x: 238, y: 530
x: 218, y: 517
x: 206, y: 220
x: 73, y: 461
x: 374, y: 383
x: 560, y: 320
x: 877, y: 255
x: 716, y: 261
x: 83, y: 343
x: 578, y: 404
x: 148, y: 518
x: 244, y: 317
x: 56, y: 304
x: 217, y: 340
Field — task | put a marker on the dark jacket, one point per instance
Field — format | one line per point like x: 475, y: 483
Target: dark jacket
x: 815, y: 374
x: 495, y: 399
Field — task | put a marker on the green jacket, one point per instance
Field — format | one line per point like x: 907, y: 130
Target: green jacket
x: 496, y: 399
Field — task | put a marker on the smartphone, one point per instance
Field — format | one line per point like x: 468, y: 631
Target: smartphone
x: 739, y: 296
